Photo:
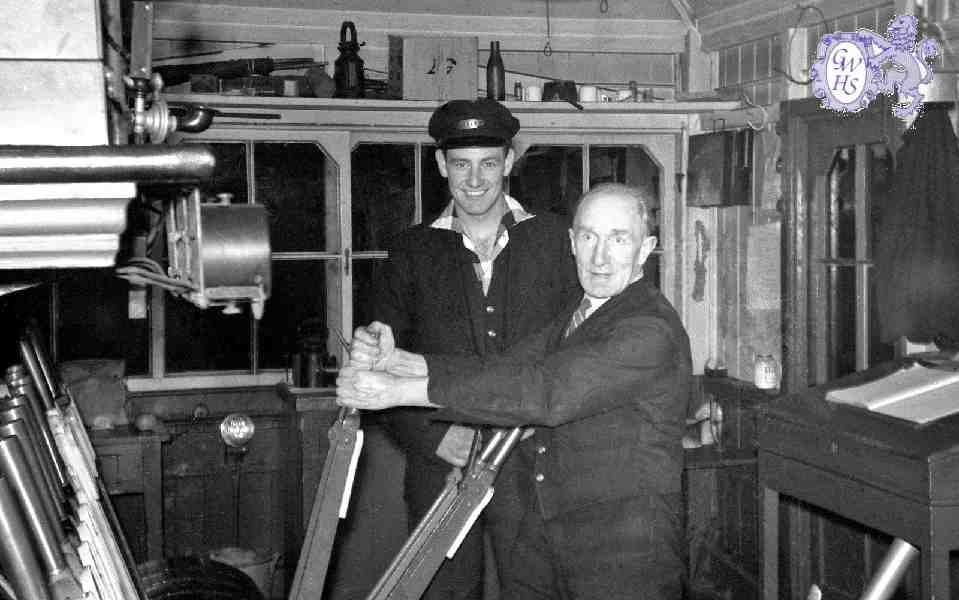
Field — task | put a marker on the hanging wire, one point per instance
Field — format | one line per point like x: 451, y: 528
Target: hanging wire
x: 604, y: 6
x: 547, y: 49
x: 803, y: 8
x: 765, y: 114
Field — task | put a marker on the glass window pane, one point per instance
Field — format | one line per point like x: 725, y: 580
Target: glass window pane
x: 841, y: 319
x: 364, y: 274
x: 433, y: 186
x: 291, y: 182
x: 205, y: 340
x: 880, y: 184
x: 633, y: 166
x: 297, y: 307
x: 94, y: 321
x: 384, y: 194
x: 841, y: 209
x: 19, y: 308
x: 548, y: 178
x: 229, y: 175
x: 879, y: 351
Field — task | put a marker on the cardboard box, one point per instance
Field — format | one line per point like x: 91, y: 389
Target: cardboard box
x: 432, y: 68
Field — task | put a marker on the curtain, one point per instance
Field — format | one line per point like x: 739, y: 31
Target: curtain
x: 917, y: 235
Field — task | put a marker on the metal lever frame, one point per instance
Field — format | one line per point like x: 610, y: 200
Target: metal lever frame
x: 447, y: 522
x: 329, y: 505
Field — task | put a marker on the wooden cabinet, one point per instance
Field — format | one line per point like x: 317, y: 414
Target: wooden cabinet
x: 130, y: 467
x: 855, y: 479
x: 722, y: 508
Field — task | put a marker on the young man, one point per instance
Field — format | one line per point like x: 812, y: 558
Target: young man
x: 473, y: 282
x: 606, y: 384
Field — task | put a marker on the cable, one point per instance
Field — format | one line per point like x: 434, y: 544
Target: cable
x: 112, y: 43
x: 802, y: 8
x: 749, y: 102
x: 547, y: 49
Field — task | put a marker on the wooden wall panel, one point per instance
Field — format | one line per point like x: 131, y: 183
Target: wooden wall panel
x: 600, y: 48
x: 203, y: 508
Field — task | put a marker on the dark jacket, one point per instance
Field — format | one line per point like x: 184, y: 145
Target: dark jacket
x: 429, y: 294
x: 611, y: 401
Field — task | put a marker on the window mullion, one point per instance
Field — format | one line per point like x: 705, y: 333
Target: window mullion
x: 862, y: 269
x: 418, y: 183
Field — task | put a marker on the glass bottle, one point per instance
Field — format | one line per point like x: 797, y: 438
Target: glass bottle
x: 495, y: 74
x: 348, y: 67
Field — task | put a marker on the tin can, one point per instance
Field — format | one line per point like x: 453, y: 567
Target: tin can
x: 766, y: 372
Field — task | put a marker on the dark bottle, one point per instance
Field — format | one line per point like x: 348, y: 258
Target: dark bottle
x: 495, y: 74
x: 348, y: 68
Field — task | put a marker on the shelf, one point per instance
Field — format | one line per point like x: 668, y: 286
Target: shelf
x: 413, y: 115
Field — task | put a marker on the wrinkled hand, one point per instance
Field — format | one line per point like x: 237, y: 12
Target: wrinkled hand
x: 373, y: 347
x: 366, y: 390
x: 455, y: 446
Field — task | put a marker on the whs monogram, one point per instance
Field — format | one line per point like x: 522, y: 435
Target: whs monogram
x: 853, y: 68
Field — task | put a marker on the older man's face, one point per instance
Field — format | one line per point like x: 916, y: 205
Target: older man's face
x: 610, y: 244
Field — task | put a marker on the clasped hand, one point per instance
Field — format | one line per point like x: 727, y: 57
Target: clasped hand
x: 363, y: 382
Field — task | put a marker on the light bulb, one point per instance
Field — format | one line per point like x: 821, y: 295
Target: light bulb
x: 236, y: 430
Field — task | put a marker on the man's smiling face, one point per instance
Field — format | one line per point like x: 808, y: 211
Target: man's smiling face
x: 475, y: 177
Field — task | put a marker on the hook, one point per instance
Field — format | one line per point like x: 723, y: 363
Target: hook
x: 547, y: 49
x: 748, y: 102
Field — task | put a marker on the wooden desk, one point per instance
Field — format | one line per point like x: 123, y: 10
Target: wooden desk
x: 130, y: 463
x: 888, y: 474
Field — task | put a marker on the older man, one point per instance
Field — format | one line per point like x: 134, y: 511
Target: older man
x: 606, y: 385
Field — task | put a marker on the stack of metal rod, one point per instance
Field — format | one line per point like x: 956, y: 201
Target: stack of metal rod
x: 59, y: 536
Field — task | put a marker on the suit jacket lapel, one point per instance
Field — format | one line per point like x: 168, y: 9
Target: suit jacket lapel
x: 607, y: 312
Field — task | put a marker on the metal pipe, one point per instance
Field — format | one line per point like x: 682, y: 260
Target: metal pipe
x: 15, y: 409
x: 49, y: 376
x: 14, y: 467
x: 61, y: 164
x: 491, y: 445
x: 890, y: 572
x: 33, y: 366
x: 16, y: 428
x: 24, y: 391
x: 17, y: 557
x: 195, y: 118
x: 511, y: 440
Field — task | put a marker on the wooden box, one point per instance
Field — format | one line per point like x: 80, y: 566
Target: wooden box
x: 432, y: 68
x: 720, y: 168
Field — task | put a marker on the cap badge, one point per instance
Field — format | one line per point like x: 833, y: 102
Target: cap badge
x: 470, y: 124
